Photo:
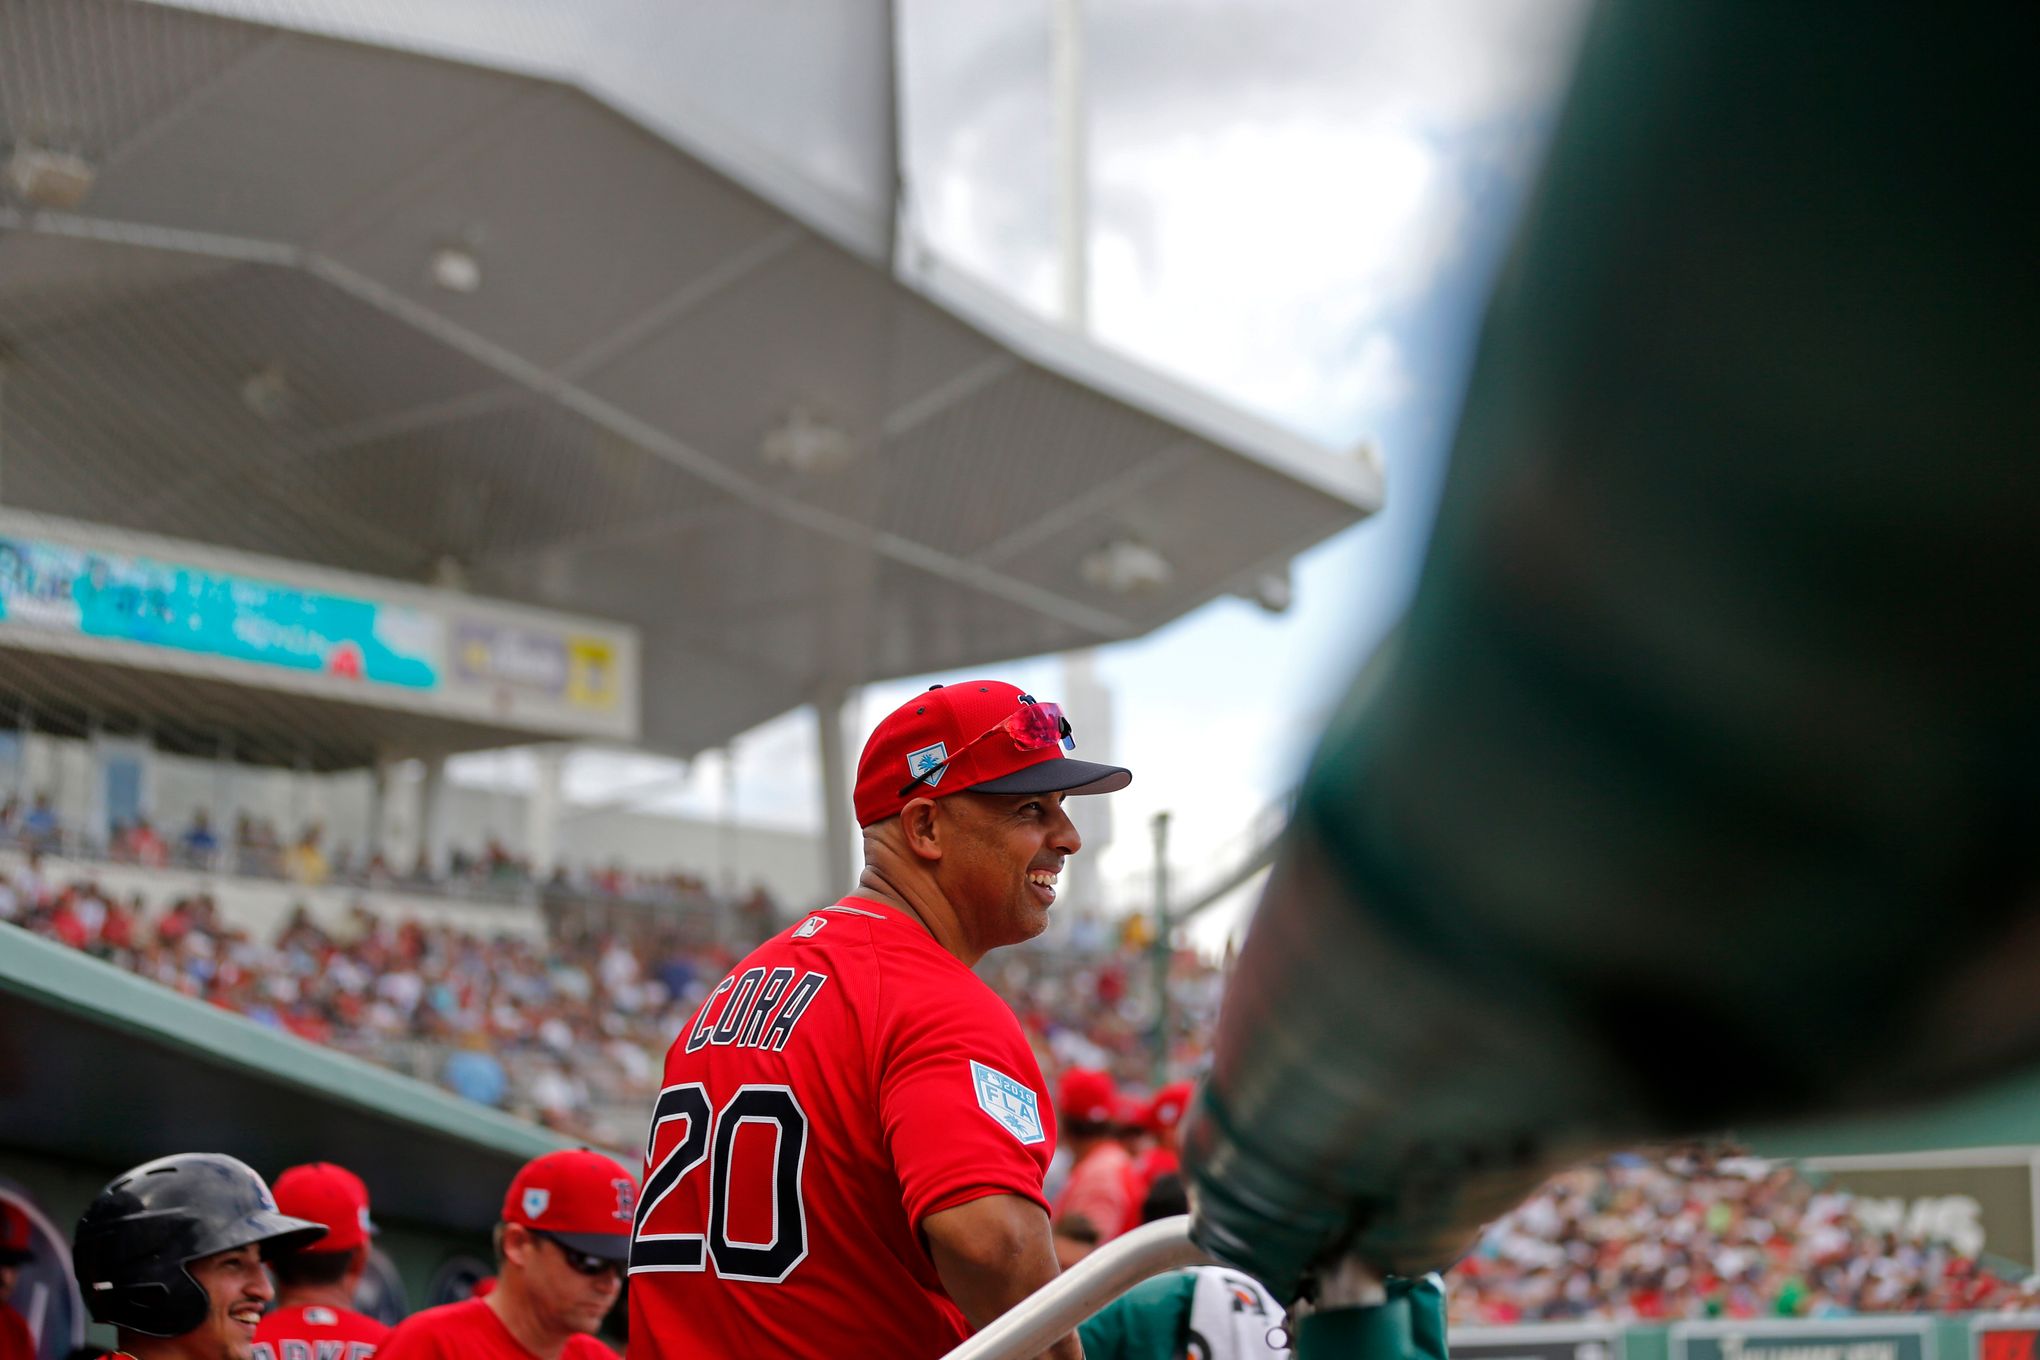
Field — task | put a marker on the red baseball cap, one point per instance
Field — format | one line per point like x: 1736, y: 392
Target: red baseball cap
x: 15, y: 1246
x: 1165, y: 1107
x: 1086, y: 1096
x: 328, y: 1194
x: 974, y: 737
x: 579, y: 1196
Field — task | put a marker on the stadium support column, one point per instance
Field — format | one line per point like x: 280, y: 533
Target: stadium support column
x: 542, y: 810
x: 837, y: 822
x: 432, y: 828
x: 1161, y: 951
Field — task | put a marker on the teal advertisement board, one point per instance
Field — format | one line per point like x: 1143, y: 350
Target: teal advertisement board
x: 1842, y: 1339
x: 57, y: 588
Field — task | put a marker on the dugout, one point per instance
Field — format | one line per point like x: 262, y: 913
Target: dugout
x: 103, y: 1070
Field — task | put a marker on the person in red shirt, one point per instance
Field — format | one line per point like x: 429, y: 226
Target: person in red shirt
x: 16, y: 1251
x: 1160, y: 1116
x: 1101, y: 1189
x: 560, y: 1253
x: 846, y: 1158
x: 315, y: 1287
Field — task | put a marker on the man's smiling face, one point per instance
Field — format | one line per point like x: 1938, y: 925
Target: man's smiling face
x: 239, y: 1289
x: 1001, y: 867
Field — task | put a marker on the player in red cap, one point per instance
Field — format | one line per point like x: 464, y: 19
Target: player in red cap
x: 847, y: 1156
x: 16, y: 1341
x: 560, y: 1252
x: 1101, y: 1190
x: 315, y: 1287
x: 1160, y: 1117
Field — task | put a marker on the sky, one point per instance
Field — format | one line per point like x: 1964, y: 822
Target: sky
x: 1294, y: 205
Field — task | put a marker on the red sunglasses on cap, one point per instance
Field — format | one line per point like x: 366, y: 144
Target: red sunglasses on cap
x: 1033, y: 727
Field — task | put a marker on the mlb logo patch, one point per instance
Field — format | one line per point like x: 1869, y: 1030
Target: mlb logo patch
x: 1012, y: 1103
x: 926, y: 759
x: 810, y: 928
x: 535, y: 1202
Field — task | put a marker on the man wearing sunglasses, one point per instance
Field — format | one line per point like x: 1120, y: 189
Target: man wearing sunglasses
x: 846, y: 1158
x: 560, y: 1250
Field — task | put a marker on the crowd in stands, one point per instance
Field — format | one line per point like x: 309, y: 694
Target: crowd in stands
x: 258, y: 849
x: 573, y: 1033
x: 1705, y: 1232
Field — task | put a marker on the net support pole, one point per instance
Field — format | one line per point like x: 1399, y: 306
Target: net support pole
x: 1159, y: 950
x: 837, y: 828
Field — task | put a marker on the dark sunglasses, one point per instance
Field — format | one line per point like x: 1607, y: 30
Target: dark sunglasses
x: 581, y: 1262
x: 1033, y: 727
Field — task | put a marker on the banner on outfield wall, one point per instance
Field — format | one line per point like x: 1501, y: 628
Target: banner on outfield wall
x: 176, y: 606
x: 1553, y: 1341
x: 1838, y: 1339
x: 2011, y: 1337
x: 1978, y: 1200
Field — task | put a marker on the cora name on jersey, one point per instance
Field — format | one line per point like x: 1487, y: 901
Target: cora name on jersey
x: 746, y: 1018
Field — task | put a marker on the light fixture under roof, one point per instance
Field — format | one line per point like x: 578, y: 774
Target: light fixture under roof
x: 1126, y: 566
x: 456, y: 268
x: 806, y: 444
x: 1273, y: 590
x: 49, y: 179
x: 267, y: 392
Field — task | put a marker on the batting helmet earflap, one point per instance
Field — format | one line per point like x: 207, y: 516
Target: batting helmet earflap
x: 139, y: 1235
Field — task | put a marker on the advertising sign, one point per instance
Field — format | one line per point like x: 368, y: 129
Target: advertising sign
x: 1537, y: 1342
x: 99, y: 595
x: 62, y: 589
x: 1894, y: 1338
x: 2005, y: 1338
x: 1976, y: 1200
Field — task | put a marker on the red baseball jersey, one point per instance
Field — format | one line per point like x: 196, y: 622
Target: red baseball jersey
x: 16, y: 1341
x: 848, y: 1079
x: 470, y: 1330
x: 314, y: 1332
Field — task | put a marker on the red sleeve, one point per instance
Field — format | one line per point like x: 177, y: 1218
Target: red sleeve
x: 961, y: 1101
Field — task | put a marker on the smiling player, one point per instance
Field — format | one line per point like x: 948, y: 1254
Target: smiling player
x: 846, y: 1159
x: 171, y: 1255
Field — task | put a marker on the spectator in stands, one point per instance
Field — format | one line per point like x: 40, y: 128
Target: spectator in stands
x: 198, y: 846
x: 39, y: 828
x: 306, y: 862
x: 145, y: 845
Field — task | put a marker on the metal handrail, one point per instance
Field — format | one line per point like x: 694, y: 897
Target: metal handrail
x: 1051, y: 1312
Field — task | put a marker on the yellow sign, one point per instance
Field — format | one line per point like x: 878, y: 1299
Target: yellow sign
x: 592, y: 673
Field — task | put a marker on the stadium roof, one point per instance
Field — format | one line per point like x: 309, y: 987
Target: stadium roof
x: 429, y: 320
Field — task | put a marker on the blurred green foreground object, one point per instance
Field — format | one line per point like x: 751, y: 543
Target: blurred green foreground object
x: 1410, y: 1325
x: 1701, y: 786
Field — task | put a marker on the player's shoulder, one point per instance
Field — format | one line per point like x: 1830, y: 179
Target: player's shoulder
x: 445, y: 1318
x: 584, y: 1347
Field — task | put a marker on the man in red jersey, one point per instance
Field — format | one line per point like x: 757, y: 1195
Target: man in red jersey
x: 846, y: 1159
x: 1101, y: 1191
x: 1160, y: 1117
x: 314, y: 1318
x: 560, y: 1250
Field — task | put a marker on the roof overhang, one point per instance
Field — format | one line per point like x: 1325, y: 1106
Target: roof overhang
x: 585, y: 429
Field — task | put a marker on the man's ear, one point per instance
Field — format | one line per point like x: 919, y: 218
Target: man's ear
x: 919, y: 825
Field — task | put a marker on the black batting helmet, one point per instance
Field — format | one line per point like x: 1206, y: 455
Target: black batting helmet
x: 138, y: 1236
